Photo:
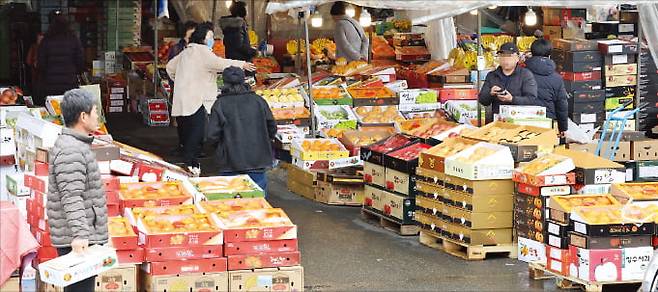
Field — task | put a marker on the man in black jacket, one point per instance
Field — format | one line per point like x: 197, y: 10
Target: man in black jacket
x: 551, y: 92
x: 236, y: 36
x: 242, y: 126
x: 509, y: 84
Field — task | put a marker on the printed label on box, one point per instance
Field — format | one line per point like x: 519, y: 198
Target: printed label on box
x: 117, y: 90
x: 116, y: 96
x: 620, y: 59
x: 607, y: 176
x: 588, y: 118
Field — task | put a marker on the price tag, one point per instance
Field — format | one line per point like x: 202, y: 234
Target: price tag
x: 555, y: 180
x: 615, y: 49
x: 608, y: 176
x: 588, y: 118
x: 619, y: 59
x: 648, y: 171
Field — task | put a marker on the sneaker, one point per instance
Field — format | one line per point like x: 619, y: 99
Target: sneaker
x: 196, y: 171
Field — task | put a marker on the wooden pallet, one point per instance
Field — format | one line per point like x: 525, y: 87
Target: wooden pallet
x: 464, y: 250
x: 568, y: 282
x: 388, y: 223
x: 537, y: 274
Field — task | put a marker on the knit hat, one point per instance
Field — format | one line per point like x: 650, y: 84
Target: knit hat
x: 233, y: 75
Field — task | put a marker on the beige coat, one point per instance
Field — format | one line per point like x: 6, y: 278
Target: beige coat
x: 194, y: 72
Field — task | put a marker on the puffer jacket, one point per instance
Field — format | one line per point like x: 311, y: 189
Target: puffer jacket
x: 76, y: 200
x: 521, y: 85
x: 60, y: 60
x: 550, y: 90
x: 236, y: 39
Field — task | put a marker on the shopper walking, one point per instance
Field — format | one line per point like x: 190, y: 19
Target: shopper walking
x: 31, y: 61
x: 195, y: 73
x: 236, y: 36
x: 76, y: 207
x: 242, y: 126
x: 351, y: 40
x: 551, y: 93
x: 509, y: 84
x: 60, y: 59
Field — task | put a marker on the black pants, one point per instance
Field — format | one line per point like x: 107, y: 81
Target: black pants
x: 193, y: 130
x: 86, y: 285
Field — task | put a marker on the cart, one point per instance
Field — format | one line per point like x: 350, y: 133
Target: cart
x: 616, y: 130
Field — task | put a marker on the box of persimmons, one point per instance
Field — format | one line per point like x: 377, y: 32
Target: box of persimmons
x: 318, y: 149
x: 154, y: 194
x: 482, y: 161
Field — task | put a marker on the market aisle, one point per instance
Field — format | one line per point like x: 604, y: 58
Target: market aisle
x: 341, y: 252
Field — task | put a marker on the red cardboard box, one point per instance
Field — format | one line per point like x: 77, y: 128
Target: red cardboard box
x: 214, y: 265
x: 46, y: 253
x: 113, y: 210
x: 162, y: 254
x: 111, y: 183
x: 601, y: 265
x: 133, y: 256
x: 446, y: 94
x: 276, y: 225
x: 246, y: 262
x: 156, y: 194
x: 36, y: 183
x: 112, y: 197
x: 256, y: 247
x: 544, y: 181
x: 582, y: 76
x: 147, y: 172
x: 150, y: 239
x: 40, y: 168
x: 43, y: 237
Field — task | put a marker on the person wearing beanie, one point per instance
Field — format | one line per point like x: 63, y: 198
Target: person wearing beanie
x: 242, y: 128
x: 509, y: 84
x: 194, y: 72
x: 551, y: 92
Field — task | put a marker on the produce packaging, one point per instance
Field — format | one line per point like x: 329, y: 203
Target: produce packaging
x: 463, y: 111
x: 72, y: 268
x: 434, y: 158
x: 377, y: 115
x: 256, y: 225
x: 548, y: 170
x: 636, y: 192
x: 363, y: 96
x: 178, y: 230
x: 318, y: 149
x: 282, y: 98
x: 330, y: 95
x: 335, y: 116
x: 612, y: 220
x: 560, y: 207
x: 223, y: 207
x: 418, y: 96
x: 483, y: 161
x: 424, y: 128
x: 226, y: 187
x: 153, y: 194
x: 122, y: 235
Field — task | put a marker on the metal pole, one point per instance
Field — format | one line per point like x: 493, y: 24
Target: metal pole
x: 116, y: 32
x: 310, y: 79
x: 155, y: 47
x: 479, y: 83
x: 214, y: 8
x: 298, y: 63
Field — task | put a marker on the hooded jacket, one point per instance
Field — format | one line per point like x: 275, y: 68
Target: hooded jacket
x: 521, y: 85
x: 59, y: 62
x: 76, y: 204
x: 236, y: 39
x: 550, y: 90
x: 243, y: 127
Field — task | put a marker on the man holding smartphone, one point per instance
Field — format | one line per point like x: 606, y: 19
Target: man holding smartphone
x: 509, y: 84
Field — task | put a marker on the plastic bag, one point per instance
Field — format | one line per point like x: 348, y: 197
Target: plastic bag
x: 576, y: 134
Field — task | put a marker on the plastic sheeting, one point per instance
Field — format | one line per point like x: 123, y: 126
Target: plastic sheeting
x: 649, y: 22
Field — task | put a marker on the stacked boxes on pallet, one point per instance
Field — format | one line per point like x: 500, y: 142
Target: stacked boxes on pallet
x: 620, y: 75
x: 648, y: 116
x: 115, y: 94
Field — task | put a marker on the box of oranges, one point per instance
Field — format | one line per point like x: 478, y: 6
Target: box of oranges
x: 178, y: 230
x: 256, y: 225
x: 434, y: 158
x: 548, y: 170
x: 226, y: 187
x: 482, y: 161
x: 613, y: 220
x: 222, y: 207
x: 318, y: 149
x: 560, y: 207
x: 330, y: 95
x: 122, y: 235
x: 134, y: 214
x: 153, y: 194
x: 638, y: 193
x: 259, y: 261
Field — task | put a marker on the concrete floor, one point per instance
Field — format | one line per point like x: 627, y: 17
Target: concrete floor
x: 341, y: 252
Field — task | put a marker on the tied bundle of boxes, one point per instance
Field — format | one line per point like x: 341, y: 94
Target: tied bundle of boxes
x: 620, y: 76
x: 584, y: 236
x: 155, y: 112
x: 115, y: 94
x: 390, y: 190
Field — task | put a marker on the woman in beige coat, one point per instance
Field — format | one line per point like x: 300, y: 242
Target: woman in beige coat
x: 194, y: 72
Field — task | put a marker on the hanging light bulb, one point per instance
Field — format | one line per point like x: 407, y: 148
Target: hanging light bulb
x: 492, y: 7
x: 228, y: 3
x: 365, y: 20
x: 530, y: 18
x: 350, y: 11
x: 316, y: 19
x: 473, y: 12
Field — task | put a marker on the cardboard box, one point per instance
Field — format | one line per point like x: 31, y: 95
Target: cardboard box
x: 258, y: 261
x: 575, y: 45
x: 430, y: 206
x: 206, y: 238
x: 591, y: 189
x: 296, y: 150
x: 374, y: 174
x: 619, y: 59
x: 121, y: 278
x: 323, y: 122
x: 485, y: 220
x: 558, y: 260
x: 428, y: 160
x: 257, y: 247
x: 580, y: 76
x: 531, y: 251
x: 418, y: 96
x: 591, y: 169
x: 560, y: 230
x: 393, y: 162
x: 133, y: 256
x: 635, y: 192
x: 620, y: 69
x: 586, y: 107
x: 609, y: 242
x: 644, y: 150
x: 543, y: 191
x: 590, y: 96
x: 578, y: 67
x: 399, y: 207
x: 373, y: 197
x: 575, y: 58
x: 555, y: 16
x: 611, y: 265
x: 621, y: 91
x: 589, y: 85
x: 479, y: 203
x: 498, y: 165
x: 301, y: 189
x: 339, y: 194
x: 275, y: 279
x: 588, y: 118
x: 212, y: 265
x: 646, y: 170
x: 552, y: 32
x: 279, y: 225
x: 400, y: 182
x: 472, y: 187
x: 163, y: 254
x: 522, y: 112
x: 617, y: 47
x: 557, y: 241
x: 562, y: 206
x: 68, y: 269
x: 479, y: 236
x: 12, y: 284
x: 216, y: 282
x: 613, y: 103
x: 621, y: 80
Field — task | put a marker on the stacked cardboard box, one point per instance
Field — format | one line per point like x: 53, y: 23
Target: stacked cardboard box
x: 340, y: 187
x: 114, y: 94
x: 648, y: 116
x: 567, y: 23
x: 410, y: 47
x: 155, y: 112
x: 579, y: 63
x: 620, y: 76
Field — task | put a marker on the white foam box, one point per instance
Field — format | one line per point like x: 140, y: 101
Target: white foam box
x: 72, y: 268
x: 498, y: 165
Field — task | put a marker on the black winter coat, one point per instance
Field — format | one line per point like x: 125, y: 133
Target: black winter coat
x: 236, y: 39
x: 243, y: 127
x: 59, y: 62
x: 550, y: 90
x: 521, y: 85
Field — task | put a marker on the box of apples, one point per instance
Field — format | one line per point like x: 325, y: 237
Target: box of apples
x: 405, y: 159
x: 425, y: 128
x: 154, y: 194
x: 375, y: 152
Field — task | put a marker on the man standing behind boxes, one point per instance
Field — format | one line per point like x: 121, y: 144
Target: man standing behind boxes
x: 509, y: 84
x: 77, y: 211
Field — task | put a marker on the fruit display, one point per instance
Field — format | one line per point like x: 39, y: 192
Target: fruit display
x: 291, y: 113
x: 219, y: 49
x: 381, y: 49
x: 493, y: 42
x: 292, y: 46
x: 318, y: 149
x: 478, y: 154
x: 390, y: 144
x: 425, y: 128
x: 119, y: 227
x: 364, y: 138
x: 335, y: 116
x: 524, y: 43
x: 266, y: 65
x: 163, y: 51
x: 214, y: 187
x: 636, y: 191
x: 542, y: 164
x: 271, y: 217
x: 223, y: 207
x: 320, y: 145
x: 494, y: 132
x: 153, y: 194
x: 463, y: 111
x: 412, y: 51
x: 601, y: 215
x: 177, y: 224
x: 567, y: 203
x: 520, y: 137
x: 326, y: 92
x: 333, y: 132
x: 378, y: 114
x: 8, y: 96
x: 350, y: 68
x: 277, y: 97
x: 450, y: 147
x: 143, y: 212
x: 322, y: 48
x: 375, y: 92
x: 409, y: 153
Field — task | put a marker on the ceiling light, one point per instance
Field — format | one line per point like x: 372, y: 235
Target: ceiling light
x: 530, y: 18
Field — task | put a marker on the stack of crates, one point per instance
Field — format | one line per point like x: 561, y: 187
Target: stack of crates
x: 155, y: 112
x: 128, y: 25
